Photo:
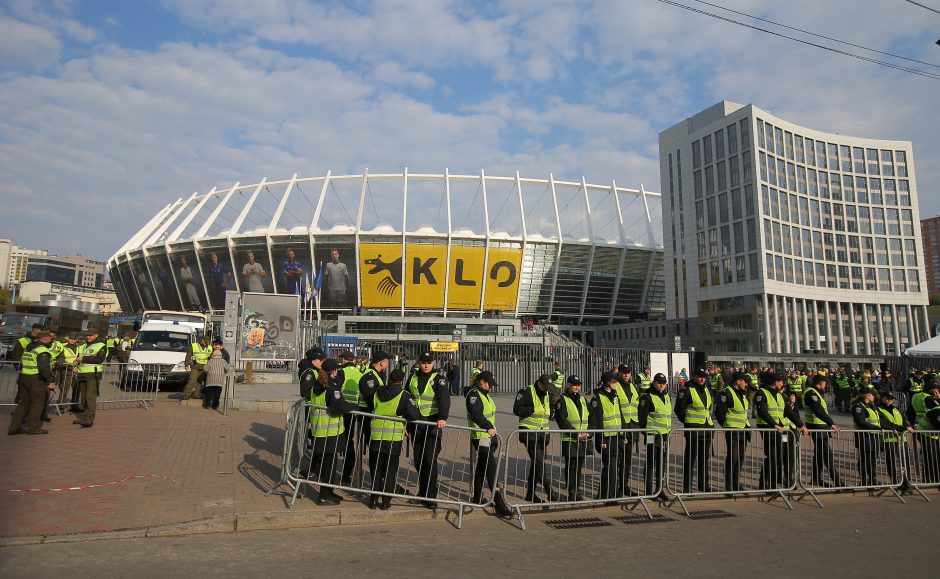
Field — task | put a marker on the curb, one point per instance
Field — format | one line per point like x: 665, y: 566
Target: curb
x: 264, y: 521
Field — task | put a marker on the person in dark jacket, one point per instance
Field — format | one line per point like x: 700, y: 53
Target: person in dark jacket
x: 731, y: 411
x: 326, y: 426
x: 654, y: 413
x: 629, y: 399
x: 309, y: 369
x: 533, y: 407
x: 35, y: 381
x: 896, y: 428
x: 428, y: 388
x: 820, y: 424
x: 387, y: 436
x: 865, y: 417
x: 571, y: 413
x: 693, y: 408
x: 604, y: 415
x: 481, y: 416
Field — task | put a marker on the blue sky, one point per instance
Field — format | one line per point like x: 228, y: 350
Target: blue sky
x: 110, y: 110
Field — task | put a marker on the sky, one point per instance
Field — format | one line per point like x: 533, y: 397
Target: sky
x: 111, y: 110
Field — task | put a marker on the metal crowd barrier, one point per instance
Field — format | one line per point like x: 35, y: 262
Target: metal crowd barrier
x: 730, y: 462
x: 118, y: 383
x: 850, y: 460
x: 435, y: 466
x: 629, y: 470
x: 922, y: 460
x: 293, y: 447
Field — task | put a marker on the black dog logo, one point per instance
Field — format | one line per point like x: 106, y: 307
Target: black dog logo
x: 392, y: 279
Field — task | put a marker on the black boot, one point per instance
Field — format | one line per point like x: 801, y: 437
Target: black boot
x: 386, y: 503
x: 373, y: 502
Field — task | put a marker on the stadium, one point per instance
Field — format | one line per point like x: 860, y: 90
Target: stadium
x: 402, y: 245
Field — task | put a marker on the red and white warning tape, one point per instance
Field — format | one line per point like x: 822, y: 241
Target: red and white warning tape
x: 92, y: 486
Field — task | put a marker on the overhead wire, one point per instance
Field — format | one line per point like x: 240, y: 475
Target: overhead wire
x: 914, y: 71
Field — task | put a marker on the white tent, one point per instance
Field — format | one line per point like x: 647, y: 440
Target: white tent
x: 928, y: 349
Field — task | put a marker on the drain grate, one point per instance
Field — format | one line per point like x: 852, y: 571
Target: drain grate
x: 709, y: 514
x: 562, y: 524
x: 640, y: 519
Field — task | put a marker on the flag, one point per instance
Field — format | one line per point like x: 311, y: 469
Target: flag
x: 307, y: 293
x: 318, y: 281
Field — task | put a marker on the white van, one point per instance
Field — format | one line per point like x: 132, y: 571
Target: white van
x: 159, y: 351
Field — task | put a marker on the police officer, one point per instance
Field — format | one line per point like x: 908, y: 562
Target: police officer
x: 23, y: 342
x: 558, y: 383
x: 654, y: 413
x: 571, y: 414
x: 796, y: 385
x: 90, y: 357
x: 65, y: 371
x: 196, y: 357
x: 481, y: 416
x: 327, y: 429
x: 915, y: 383
x: 604, y: 415
x: 386, y: 437
x: 843, y: 389
x: 716, y: 382
x: 34, y: 382
x: 820, y: 424
x: 372, y: 380
x: 56, y: 349
x: 769, y: 406
x: 866, y: 419
x: 731, y: 411
x: 645, y: 378
x: 693, y: 408
x: 924, y: 412
x: 629, y: 397
x: 429, y: 390
x: 533, y: 407
x: 309, y: 370
x: 896, y: 428
x: 349, y: 376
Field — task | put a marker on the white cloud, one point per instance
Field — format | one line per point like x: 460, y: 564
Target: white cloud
x: 25, y: 46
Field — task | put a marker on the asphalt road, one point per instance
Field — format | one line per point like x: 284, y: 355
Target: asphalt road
x: 855, y: 537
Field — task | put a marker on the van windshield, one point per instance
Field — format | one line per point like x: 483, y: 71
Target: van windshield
x: 161, y: 341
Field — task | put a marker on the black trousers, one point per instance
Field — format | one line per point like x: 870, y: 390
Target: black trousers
x: 791, y: 458
x: 843, y: 396
x: 484, y: 469
x: 735, y: 447
x: 575, y: 454
x: 867, y: 445
x: 383, y: 464
x: 625, y: 462
x: 823, y: 458
x: 771, y: 473
x: 323, y: 469
x: 535, y: 446
x: 427, y: 446
x: 353, y: 425
x: 893, y: 462
x: 656, y: 447
x: 610, y: 467
x: 211, y: 399
x: 698, y: 449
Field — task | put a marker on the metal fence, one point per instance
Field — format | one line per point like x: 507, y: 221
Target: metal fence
x: 431, y: 467
x: 850, y: 460
x: 923, y: 459
x: 119, y: 383
x: 606, y: 467
x: 730, y: 462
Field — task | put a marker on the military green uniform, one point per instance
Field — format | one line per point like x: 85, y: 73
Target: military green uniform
x: 93, y: 355
x: 32, y: 385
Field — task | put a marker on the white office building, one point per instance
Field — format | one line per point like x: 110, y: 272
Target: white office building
x: 783, y: 239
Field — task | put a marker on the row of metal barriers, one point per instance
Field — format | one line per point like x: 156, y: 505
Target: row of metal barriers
x: 532, y: 470
x: 119, y: 383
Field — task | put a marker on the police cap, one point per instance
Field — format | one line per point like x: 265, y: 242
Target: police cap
x: 700, y: 373
x: 624, y: 369
x: 379, y: 356
x: 738, y: 376
x: 91, y: 332
x: 425, y: 358
x: 608, y: 377
x: 315, y: 354
x: 487, y: 376
x: 660, y: 378
x: 574, y: 380
x: 544, y: 379
x: 330, y: 365
x: 347, y: 355
x: 397, y: 376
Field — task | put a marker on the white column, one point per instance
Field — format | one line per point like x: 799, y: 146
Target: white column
x: 816, y: 326
x: 767, y: 348
x: 853, y: 331
x: 881, y: 331
x: 797, y: 342
x: 784, y: 315
x: 897, y: 330
x: 777, y: 348
x: 926, y: 320
x: 806, y: 337
x: 829, y: 348
x: 866, y: 323
x: 911, y: 336
x: 841, y: 330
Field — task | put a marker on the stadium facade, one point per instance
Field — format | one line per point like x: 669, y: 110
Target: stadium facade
x: 406, y: 244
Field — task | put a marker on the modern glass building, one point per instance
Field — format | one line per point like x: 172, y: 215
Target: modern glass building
x: 407, y: 244
x: 780, y: 238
